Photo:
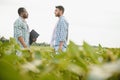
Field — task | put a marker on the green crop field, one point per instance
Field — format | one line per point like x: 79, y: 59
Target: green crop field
x: 41, y: 63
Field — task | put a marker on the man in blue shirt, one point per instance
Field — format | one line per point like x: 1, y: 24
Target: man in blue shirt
x: 60, y: 33
x: 21, y: 29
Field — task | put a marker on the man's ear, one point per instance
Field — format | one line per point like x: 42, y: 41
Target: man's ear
x: 21, y: 15
x: 61, y: 12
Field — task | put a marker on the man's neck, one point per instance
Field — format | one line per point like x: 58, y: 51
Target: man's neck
x: 22, y: 18
x: 60, y: 16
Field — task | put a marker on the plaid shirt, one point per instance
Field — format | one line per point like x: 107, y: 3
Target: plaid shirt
x: 61, y: 33
x: 21, y: 29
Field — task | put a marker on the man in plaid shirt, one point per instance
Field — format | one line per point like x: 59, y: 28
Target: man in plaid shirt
x: 21, y: 29
x: 60, y: 33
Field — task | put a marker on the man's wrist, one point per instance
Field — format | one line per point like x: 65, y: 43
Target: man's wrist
x: 25, y: 46
x: 61, y: 45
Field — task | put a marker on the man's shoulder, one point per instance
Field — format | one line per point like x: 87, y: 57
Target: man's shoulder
x: 63, y: 20
x: 17, y: 21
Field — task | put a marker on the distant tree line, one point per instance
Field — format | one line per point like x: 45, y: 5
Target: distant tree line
x: 3, y: 39
x: 40, y: 44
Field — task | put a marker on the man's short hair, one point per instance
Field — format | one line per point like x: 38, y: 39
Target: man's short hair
x: 61, y: 8
x: 21, y: 10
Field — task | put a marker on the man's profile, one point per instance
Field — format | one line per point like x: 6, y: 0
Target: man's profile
x: 21, y: 28
x: 60, y: 33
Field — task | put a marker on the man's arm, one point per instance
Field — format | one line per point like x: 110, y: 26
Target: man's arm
x: 62, y: 34
x: 22, y: 41
x: 18, y: 32
x: 61, y: 45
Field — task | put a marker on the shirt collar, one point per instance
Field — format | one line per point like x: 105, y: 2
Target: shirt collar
x: 61, y: 16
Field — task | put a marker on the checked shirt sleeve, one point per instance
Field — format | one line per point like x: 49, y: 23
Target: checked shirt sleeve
x: 62, y: 31
x: 18, y: 29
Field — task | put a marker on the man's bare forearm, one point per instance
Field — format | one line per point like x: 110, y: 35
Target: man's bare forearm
x: 61, y: 45
x: 22, y: 41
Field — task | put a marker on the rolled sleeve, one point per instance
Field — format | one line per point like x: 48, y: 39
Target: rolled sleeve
x: 18, y: 29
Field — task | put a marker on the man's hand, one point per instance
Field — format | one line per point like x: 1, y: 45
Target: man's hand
x: 34, y: 40
x: 25, y: 46
x: 22, y: 41
x: 61, y: 45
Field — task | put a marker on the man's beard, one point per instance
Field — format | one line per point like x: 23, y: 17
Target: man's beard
x: 25, y: 16
x: 57, y: 15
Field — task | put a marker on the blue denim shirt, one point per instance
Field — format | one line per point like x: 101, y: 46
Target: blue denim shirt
x: 21, y: 29
x: 61, y: 33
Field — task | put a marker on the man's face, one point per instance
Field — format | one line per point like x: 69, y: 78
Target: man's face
x: 25, y: 14
x: 58, y: 12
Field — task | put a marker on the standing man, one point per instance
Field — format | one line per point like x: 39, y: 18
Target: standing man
x: 60, y: 34
x: 21, y: 29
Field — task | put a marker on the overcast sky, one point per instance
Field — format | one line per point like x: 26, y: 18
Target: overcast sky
x: 93, y: 21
